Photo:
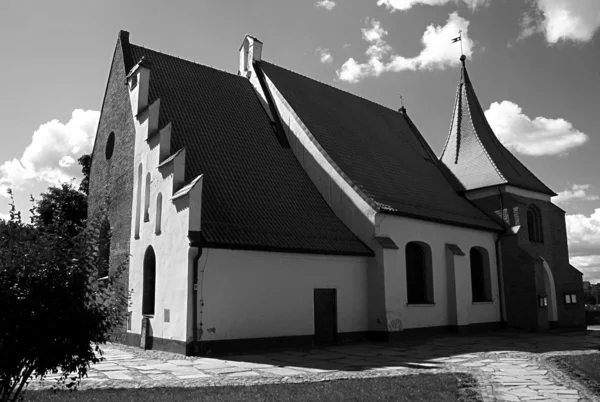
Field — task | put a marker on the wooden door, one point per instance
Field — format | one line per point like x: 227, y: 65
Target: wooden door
x: 325, y: 302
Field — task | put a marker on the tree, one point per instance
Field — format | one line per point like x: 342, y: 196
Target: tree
x: 86, y: 165
x: 56, y: 313
x: 71, y: 201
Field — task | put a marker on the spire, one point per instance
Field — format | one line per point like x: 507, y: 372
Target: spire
x: 474, y: 154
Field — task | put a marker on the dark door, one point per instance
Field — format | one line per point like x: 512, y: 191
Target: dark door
x: 325, y: 315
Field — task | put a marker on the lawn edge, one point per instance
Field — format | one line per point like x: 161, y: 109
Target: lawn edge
x: 575, y: 375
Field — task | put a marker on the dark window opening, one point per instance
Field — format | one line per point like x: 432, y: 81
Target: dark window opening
x: 534, y: 224
x: 149, y: 282
x: 480, y: 275
x: 419, y: 286
x: 110, y: 145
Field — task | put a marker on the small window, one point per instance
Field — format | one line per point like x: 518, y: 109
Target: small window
x: 570, y: 298
x: 419, y: 274
x: 481, y: 284
x: 158, y: 213
x: 138, y: 202
x: 110, y: 145
x: 534, y: 224
x: 542, y: 301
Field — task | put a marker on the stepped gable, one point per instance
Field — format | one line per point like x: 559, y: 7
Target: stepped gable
x: 474, y: 154
x: 379, y: 150
x: 255, y: 193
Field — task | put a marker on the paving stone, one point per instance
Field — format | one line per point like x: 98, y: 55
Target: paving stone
x: 118, y: 375
x: 190, y: 376
x: 282, y: 371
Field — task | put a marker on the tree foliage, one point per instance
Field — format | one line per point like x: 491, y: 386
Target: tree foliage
x: 58, y: 305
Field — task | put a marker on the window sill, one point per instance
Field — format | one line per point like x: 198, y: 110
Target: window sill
x: 483, y: 302
x: 420, y: 304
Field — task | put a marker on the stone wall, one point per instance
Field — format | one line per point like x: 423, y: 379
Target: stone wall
x: 111, y: 180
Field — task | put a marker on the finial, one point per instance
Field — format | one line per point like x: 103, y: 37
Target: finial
x: 462, y: 59
x: 402, y: 108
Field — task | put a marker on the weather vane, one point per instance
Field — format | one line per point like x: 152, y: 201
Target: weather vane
x: 459, y: 39
x: 401, y: 101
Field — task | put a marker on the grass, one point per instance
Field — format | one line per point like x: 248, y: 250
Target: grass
x: 585, y: 369
x: 417, y: 388
x: 588, y: 364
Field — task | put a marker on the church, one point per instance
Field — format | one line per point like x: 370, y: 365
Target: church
x: 266, y: 209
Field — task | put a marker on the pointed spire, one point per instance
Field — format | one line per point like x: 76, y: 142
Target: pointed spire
x: 473, y: 152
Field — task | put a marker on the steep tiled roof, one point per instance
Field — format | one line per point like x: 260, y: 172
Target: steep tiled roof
x: 473, y: 152
x: 255, y: 193
x: 378, y: 149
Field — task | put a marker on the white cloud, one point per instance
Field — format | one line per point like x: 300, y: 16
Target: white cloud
x: 578, y: 192
x: 584, y: 233
x: 326, y: 4
x: 4, y: 217
x: 51, y: 156
x: 538, y: 136
x: 404, y: 5
x: 563, y: 20
x: 589, y: 265
x: 324, y: 55
x: 438, y: 53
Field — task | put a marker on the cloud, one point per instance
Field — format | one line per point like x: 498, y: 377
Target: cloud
x: 584, y: 233
x: 51, y: 156
x: 438, y: 53
x: 535, y: 137
x: 4, y: 217
x: 404, y: 5
x: 324, y: 55
x: 589, y: 265
x: 326, y: 4
x: 562, y: 20
x: 578, y: 192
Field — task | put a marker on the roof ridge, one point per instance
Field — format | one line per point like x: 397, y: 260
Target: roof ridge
x: 187, y: 60
x: 331, y: 86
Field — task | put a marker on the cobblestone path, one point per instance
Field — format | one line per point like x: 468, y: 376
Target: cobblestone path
x: 509, y: 366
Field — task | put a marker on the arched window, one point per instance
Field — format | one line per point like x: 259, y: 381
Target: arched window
x: 138, y: 202
x: 481, y: 284
x: 419, y: 274
x: 149, y: 284
x: 158, y: 213
x: 147, y: 198
x: 534, y: 224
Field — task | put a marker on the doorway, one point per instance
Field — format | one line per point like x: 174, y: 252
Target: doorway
x: 325, y: 304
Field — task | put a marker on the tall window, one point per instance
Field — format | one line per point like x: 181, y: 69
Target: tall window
x: 138, y: 202
x: 147, y: 198
x: 534, y: 224
x: 419, y: 275
x: 481, y: 284
x: 149, y: 283
x: 158, y: 213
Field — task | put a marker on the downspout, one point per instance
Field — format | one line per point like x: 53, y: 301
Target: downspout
x: 499, y: 264
x: 196, y: 332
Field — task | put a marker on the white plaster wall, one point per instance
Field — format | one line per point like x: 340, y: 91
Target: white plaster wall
x: 403, y: 316
x: 170, y: 247
x: 254, y: 294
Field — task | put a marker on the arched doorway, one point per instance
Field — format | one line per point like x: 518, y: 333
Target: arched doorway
x: 550, y: 292
x: 149, y: 282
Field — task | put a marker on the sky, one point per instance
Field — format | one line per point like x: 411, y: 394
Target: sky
x: 534, y: 65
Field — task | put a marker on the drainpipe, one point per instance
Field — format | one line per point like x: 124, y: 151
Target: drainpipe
x: 499, y: 266
x: 196, y: 348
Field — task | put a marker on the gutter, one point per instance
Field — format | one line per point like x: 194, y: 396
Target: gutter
x: 196, y: 347
x: 500, y: 268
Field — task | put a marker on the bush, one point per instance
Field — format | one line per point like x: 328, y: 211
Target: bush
x: 56, y: 311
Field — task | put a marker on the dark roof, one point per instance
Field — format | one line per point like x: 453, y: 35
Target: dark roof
x: 379, y: 150
x: 255, y: 193
x: 473, y: 152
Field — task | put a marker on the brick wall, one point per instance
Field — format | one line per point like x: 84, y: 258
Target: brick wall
x: 112, y: 179
x: 524, y: 279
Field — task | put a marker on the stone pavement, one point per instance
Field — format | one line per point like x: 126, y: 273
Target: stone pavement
x: 510, y: 366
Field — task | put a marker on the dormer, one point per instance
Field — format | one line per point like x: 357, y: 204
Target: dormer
x: 138, y: 81
x: 250, y: 51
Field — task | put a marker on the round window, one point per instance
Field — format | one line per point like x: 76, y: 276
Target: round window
x: 110, y: 145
